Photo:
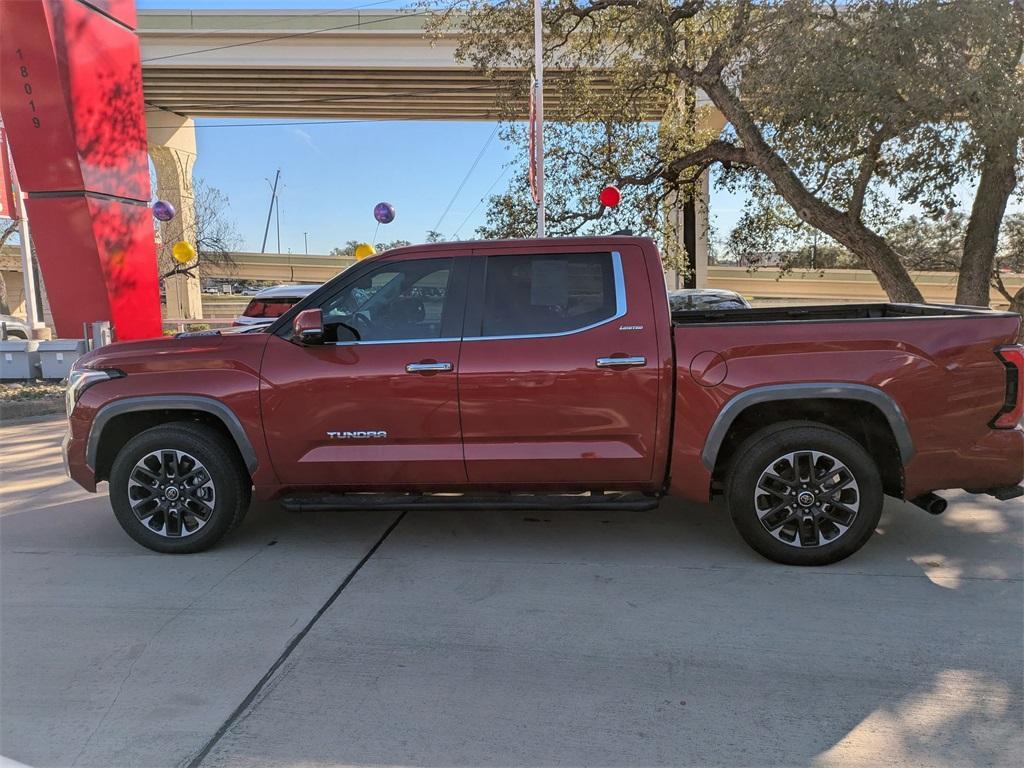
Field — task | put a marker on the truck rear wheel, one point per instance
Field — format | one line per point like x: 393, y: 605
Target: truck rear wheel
x: 801, y: 493
x: 178, y: 488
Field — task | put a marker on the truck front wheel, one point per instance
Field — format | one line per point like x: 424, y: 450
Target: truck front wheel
x: 804, y: 494
x: 178, y: 488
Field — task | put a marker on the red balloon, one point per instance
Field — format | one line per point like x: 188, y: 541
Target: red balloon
x: 610, y: 196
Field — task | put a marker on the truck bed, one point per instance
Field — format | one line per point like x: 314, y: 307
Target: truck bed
x: 824, y: 313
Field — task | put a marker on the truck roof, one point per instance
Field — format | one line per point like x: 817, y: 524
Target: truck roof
x: 528, y: 245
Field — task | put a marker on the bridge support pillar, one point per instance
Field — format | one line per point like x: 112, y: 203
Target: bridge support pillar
x: 686, y: 237
x: 172, y: 145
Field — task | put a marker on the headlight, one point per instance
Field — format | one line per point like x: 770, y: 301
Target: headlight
x: 80, y: 379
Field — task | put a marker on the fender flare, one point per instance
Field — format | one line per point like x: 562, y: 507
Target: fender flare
x: 888, y: 407
x: 170, y: 403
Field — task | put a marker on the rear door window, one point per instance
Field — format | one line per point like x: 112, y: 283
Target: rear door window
x: 547, y: 294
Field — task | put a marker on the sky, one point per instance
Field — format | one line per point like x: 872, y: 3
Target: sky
x: 332, y: 175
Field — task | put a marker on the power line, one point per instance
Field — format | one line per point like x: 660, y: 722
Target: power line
x: 287, y: 36
x: 481, y: 201
x: 437, y: 227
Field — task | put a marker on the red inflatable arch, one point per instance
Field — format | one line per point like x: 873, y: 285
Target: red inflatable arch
x: 72, y: 106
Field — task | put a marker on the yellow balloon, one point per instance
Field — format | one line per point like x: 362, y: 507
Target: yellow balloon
x: 363, y: 250
x: 183, y: 252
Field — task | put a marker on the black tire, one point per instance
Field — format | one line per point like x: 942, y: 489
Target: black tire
x: 819, y: 538
x: 229, y: 485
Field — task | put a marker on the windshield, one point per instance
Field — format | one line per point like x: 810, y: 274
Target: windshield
x: 692, y: 301
x: 270, y: 307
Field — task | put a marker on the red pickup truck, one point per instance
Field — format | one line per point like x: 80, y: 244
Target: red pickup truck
x: 550, y: 373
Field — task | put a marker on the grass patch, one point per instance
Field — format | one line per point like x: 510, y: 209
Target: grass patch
x: 33, y: 390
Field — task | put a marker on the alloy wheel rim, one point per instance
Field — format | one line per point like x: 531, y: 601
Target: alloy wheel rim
x: 807, y: 499
x: 171, y: 493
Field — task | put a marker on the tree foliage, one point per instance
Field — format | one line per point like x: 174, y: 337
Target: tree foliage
x: 850, y: 114
x: 7, y: 228
x: 349, y: 249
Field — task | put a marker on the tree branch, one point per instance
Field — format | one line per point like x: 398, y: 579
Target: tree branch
x: 719, y: 151
x: 716, y: 62
x: 1000, y: 286
x: 867, y: 169
x: 7, y: 231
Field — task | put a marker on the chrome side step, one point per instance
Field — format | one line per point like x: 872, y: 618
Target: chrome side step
x: 394, y: 502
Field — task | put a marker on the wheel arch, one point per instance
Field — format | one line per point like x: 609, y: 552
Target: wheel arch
x: 118, y: 421
x: 865, y: 413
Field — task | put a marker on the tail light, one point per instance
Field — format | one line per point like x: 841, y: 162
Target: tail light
x: 1010, y: 414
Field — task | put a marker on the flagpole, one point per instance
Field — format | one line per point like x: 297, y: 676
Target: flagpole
x: 538, y: 84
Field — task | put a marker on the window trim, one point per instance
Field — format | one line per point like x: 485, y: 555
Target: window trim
x: 620, y: 304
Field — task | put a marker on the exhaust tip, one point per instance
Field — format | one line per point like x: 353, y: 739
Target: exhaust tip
x: 931, y: 503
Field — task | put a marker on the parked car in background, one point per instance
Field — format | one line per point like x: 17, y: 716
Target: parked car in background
x: 16, y: 329
x: 538, y: 374
x: 270, y: 303
x: 689, y: 299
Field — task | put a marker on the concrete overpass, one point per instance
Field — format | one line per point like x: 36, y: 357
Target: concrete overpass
x: 316, y: 64
x: 352, y: 65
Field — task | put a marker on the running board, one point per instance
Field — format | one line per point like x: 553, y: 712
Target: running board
x: 629, y: 502
x: 1006, y: 492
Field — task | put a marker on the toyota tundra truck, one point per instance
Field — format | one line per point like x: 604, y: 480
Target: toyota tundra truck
x: 551, y: 374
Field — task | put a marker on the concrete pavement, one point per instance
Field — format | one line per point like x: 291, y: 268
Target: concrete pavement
x: 500, y: 639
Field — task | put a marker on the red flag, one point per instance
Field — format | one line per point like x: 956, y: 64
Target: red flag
x: 531, y: 174
x: 8, y: 205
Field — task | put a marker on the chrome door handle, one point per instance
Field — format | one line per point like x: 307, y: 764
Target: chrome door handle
x: 614, y: 362
x: 427, y: 367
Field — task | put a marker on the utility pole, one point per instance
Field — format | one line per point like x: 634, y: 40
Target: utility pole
x: 305, y: 242
x: 277, y: 216
x: 538, y: 84
x: 270, y: 210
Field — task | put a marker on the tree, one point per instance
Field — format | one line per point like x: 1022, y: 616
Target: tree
x: 1011, y: 258
x: 349, y: 249
x: 832, y: 109
x: 215, y: 236
x: 930, y: 245
x: 7, y: 228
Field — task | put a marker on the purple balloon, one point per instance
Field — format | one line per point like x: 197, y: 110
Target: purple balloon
x: 163, y: 211
x: 384, y: 213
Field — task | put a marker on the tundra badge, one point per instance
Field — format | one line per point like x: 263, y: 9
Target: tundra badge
x: 368, y: 434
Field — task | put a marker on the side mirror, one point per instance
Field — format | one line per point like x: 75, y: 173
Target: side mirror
x: 308, y: 327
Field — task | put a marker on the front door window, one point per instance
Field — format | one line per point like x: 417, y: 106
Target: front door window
x: 399, y: 301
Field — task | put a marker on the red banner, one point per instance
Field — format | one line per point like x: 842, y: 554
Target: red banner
x: 8, y: 205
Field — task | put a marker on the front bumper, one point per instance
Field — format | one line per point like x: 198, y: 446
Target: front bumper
x: 72, y: 450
